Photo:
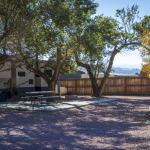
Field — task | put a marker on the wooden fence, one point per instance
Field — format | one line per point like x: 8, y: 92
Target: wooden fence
x: 113, y: 86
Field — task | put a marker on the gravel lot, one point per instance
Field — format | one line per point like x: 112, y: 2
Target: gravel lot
x: 113, y: 125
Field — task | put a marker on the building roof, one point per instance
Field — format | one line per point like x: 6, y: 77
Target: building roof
x: 142, y: 74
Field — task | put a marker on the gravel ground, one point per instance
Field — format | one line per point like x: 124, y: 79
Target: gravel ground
x: 113, y: 125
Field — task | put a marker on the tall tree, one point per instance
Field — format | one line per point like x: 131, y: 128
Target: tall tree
x: 50, y: 32
x: 125, y: 36
x: 90, y: 47
x: 128, y: 38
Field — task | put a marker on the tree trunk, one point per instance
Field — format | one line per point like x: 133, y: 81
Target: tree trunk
x: 102, y: 85
x: 3, y: 59
x: 51, y: 87
x: 95, y: 86
x: 96, y: 91
x: 108, y: 70
x: 52, y: 83
x: 58, y: 68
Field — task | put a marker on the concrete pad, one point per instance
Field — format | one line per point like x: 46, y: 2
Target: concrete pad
x: 18, y: 105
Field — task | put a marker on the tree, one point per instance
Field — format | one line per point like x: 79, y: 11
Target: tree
x: 145, y: 51
x: 49, y: 34
x: 127, y: 39
x: 90, y: 44
x: 118, y: 37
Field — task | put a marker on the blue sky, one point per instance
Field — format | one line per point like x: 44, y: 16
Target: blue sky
x: 108, y: 8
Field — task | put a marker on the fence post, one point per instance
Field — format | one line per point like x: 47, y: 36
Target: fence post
x: 125, y: 87
x: 59, y: 92
x: 75, y: 86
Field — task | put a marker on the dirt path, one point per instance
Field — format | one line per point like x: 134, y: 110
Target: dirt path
x: 114, y: 125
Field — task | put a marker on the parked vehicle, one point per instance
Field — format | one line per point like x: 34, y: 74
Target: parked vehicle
x: 23, y: 78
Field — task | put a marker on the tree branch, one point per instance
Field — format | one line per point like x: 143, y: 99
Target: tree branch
x: 127, y: 44
x: 88, y: 68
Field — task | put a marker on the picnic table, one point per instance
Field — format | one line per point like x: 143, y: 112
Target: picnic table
x: 40, y: 95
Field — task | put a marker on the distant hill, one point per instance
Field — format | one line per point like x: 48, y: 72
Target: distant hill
x: 119, y: 70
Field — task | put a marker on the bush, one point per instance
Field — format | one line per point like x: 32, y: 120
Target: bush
x: 10, y: 87
x: 22, y: 95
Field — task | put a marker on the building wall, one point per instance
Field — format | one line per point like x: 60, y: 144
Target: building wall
x: 24, y: 81
x: 5, y: 74
x: 5, y: 71
x: 9, y: 71
x: 2, y: 81
x: 142, y: 74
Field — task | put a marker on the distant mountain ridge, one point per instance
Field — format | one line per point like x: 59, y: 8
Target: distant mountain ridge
x: 119, y: 70
x: 139, y: 66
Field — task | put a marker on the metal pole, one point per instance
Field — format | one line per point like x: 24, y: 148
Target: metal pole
x: 59, y: 92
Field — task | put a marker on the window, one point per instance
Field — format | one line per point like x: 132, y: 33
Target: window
x: 30, y: 81
x: 21, y: 74
x: 48, y: 72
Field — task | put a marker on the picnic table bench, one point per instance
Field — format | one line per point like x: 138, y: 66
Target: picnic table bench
x: 36, y: 95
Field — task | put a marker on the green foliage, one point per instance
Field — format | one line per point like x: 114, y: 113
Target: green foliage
x: 15, y: 16
x: 92, y: 42
x: 128, y: 18
x: 66, y: 13
x: 101, y: 39
x: 68, y: 67
x: 145, y: 51
x: 10, y: 87
x: 50, y: 27
x: 143, y: 24
x: 22, y: 95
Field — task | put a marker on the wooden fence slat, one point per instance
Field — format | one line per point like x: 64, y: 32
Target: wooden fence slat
x: 75, y: 86
x: 117, y: 85
x: 125, y: 86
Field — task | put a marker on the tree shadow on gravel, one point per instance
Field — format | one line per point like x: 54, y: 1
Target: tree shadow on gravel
x: 113, y: 125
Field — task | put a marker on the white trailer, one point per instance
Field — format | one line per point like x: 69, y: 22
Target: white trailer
x: 20, y: 76
x: 40, y: 84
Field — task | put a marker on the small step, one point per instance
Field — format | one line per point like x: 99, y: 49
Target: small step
x: 71, y: 97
